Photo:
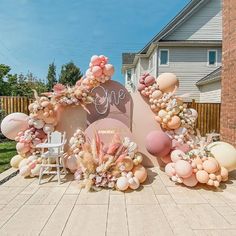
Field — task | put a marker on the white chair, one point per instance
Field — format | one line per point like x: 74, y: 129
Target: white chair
x: 53, y: 157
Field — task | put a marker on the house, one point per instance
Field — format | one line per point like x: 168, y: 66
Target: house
x: 189, y: 46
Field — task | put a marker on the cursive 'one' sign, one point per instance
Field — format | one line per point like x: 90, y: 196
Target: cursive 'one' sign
x: 112, y: 100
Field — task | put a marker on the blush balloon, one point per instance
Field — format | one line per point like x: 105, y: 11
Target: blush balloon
x: 108, y: 70
x: 190, y: 181
x: 158, y: 143
x: 183, y: 169
x: 170, y: 169
x: 14, y: 123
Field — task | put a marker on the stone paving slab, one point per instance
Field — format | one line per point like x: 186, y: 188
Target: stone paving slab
x: 159, y: 207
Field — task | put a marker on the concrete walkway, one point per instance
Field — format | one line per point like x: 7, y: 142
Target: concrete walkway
x: 159, y: 208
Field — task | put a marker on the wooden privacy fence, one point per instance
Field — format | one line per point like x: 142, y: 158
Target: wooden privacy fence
x: 208, y: 116
x: 208, y: 113
x: 14, y: 104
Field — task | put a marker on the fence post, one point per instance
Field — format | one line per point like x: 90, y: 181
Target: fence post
x: 193, y: 105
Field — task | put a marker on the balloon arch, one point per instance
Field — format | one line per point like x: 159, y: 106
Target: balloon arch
x: 116, y: 163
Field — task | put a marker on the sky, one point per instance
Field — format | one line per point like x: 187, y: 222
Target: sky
x: 34, y: 33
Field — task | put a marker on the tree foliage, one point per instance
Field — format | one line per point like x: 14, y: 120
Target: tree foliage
x: 51, y: 77
x: 70, y: 74
x: 19, y: 85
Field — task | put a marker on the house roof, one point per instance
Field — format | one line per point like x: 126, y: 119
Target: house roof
x: 212, y: 77
x: 176, y: 21
x: 127, y: 58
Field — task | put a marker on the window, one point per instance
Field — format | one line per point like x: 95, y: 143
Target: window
x: 129, y: 74
x: 164, y: 57
x: 212, y: 58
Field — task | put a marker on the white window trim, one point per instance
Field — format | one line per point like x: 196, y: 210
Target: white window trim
x: 211, y: 50
x: 168, y: 53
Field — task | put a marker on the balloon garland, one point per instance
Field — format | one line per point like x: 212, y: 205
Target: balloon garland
x: 190, y: 159
x: 28, y: 131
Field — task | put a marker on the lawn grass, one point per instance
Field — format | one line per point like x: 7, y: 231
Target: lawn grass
x: 7, y: 151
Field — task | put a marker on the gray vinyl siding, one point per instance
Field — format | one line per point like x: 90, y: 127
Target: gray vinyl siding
x: 205, y: 24
x: 190, y: 65
x: 211, y: 92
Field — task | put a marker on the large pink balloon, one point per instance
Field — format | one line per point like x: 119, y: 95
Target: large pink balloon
x: 158, y: 143
x: 13, y: 124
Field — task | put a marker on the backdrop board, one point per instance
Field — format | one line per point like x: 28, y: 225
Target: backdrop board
x: 112, y: 100
x: 143, y: 122
x: 70, y: 119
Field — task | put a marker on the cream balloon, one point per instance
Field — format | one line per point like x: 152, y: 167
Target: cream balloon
x: 14, y: 123
x: 15, y: 161
x: 224, y: 153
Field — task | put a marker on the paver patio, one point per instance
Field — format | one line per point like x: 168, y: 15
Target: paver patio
x: 159, y: 208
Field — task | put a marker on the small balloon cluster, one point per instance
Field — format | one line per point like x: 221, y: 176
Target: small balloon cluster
x: 99, y: 71
x: 27, y: 166
x: 190, y: 158
x: 31, y: 130
x: 96, y: 165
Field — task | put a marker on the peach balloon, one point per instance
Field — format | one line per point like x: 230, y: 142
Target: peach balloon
x: 183, y: 169
x: 140, y: 173
x: 22, y: 148
x: 224, y: 173
x: 202, y: 176
x: 210, y: 166
x: 97, y: 71
x: 174, y: 123
x: 167, y: 82
x: 14, y: 123
x: 190, y: 181
x: 95, y: 60
x: 170, y: 169
x: 108, y: 70
x: 157, y: 94
x: 71, y: 163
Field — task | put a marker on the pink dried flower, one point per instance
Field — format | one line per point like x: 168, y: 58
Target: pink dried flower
x: 58, y: 88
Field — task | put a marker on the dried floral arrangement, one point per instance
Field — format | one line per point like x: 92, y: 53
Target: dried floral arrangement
x: 97, y: 165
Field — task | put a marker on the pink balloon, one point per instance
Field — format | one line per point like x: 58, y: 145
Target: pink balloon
x: 14, y: 123
x: 40, y: 134
x: 149, y: 80
x: 97, y: 71
x: 190, y: 181
x: 95, y: 60
x: 71, y: 163
x: 170, y: 169
x: 176, y: 155
x: 141, y: 87
x: 166, y: 159
x: 158, y: 143
x: 183, y: 169
x: 108, y: 70
x: 178, y: 146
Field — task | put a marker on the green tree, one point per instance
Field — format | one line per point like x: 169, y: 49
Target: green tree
x: 4, y: 70
x: 51, y: 77
x: 70, y: 74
